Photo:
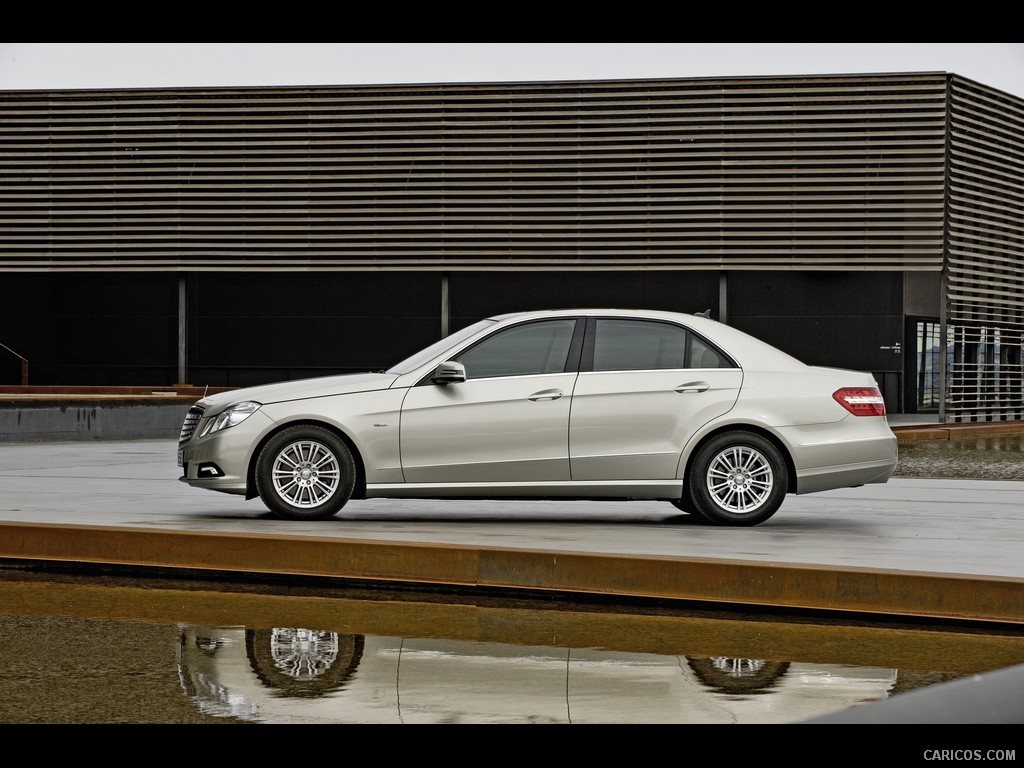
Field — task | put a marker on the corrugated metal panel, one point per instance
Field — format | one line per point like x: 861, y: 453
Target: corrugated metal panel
x: 986, y: 219
x: 985, y: 270
x: 814, y: 173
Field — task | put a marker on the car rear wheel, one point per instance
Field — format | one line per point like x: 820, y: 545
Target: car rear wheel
x: 305, y: 473
x: 737, y: 478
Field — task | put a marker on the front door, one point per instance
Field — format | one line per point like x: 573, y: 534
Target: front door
x: 508, y: 422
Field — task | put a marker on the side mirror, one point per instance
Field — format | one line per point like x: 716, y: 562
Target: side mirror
x: 449, y: 372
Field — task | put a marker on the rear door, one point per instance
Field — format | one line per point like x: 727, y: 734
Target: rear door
x: 644, y: 388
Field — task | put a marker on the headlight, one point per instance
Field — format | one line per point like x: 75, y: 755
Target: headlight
x: 230, y: 416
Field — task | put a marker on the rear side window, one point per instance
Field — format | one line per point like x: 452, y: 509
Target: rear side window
x: 638, y: 345
x: 702, y: 355
x: 648, y: 345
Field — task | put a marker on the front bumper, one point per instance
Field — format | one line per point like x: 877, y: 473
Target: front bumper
x: 220, y: 462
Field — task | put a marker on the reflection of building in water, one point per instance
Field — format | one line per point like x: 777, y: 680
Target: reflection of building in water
x: 288, y: 675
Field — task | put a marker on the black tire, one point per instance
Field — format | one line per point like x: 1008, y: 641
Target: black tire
x: 305, y: 473
x: 737, y: 478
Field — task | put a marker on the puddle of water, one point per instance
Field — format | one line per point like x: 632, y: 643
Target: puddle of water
x: 100, y: 649
x: 988, y: 458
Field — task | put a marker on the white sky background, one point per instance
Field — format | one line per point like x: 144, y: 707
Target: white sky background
x: 59, y: 66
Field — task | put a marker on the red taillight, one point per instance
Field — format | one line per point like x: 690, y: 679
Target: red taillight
x: 861, y: 401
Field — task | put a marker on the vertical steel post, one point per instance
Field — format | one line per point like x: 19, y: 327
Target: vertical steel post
x: 445, y: 306
x: 182, y: 333
x: 723, y: 297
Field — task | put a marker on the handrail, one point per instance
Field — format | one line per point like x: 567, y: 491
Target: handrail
x: 24, y: 365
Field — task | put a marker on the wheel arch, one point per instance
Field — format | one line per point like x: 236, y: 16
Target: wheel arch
x: 767, y: 434
x: 358, y: 492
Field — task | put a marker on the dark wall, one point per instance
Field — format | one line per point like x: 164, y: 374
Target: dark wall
x: 257, y: 327
x: 479, y: 294
x: 846, y: 320
x: 252, y: 328
x: 121, y: 329
x: 90, y: 329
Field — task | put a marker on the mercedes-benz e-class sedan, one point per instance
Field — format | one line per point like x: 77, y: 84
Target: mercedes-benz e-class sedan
x: 565, y: 404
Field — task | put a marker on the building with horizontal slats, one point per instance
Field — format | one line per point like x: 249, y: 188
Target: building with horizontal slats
x: 234, y: 236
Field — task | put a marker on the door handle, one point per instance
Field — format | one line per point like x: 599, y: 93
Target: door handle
x: 546, y: 394
x: 694, y: 386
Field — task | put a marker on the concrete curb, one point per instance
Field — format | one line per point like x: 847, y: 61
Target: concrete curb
x: 92, y: 418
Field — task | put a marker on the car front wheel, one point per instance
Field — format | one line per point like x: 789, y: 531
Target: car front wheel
x: 737, y: 478
x: 305, y: 473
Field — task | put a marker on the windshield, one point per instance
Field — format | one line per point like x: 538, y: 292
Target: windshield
x: 435, y: 349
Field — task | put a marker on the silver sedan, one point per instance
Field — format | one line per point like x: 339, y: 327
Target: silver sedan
x: 566, y: 404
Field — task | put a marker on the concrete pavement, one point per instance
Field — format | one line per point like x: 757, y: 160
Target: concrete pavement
x: 932, y: 548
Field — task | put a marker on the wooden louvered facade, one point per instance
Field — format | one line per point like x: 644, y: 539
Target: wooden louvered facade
x: 726, y: 189
x: 984, y: 244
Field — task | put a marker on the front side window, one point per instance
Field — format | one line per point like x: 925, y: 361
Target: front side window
x: 531, y: 348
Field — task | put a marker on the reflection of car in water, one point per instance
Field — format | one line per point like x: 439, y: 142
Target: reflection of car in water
x: 729, y: 675
x: 303, y: 663
x: 307, y: 676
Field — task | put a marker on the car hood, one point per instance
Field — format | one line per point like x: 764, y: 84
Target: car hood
x: 302, y: 388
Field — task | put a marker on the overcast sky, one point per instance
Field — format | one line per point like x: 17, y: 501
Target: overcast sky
x: 54, y: 66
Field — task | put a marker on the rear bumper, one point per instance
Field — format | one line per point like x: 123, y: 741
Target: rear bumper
x: 866, y: 453
x: 846, y: 476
